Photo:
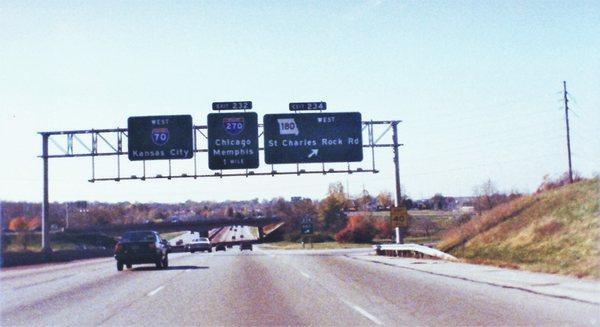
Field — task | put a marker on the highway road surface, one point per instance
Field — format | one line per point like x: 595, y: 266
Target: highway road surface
x: 269, y: 287
x: 236, y: 234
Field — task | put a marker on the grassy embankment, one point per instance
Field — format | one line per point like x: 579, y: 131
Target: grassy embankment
x: 557, y: 231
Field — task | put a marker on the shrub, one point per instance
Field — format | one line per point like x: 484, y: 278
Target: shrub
x: 358, y: 230
x: 19, y: 225
x: 384, y: 228
x: 550, y: 183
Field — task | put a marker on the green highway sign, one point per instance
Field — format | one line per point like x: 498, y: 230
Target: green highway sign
x: 313, y: 137
x: 307, y: 228
x: 160, y: 137
x: 233, y: 140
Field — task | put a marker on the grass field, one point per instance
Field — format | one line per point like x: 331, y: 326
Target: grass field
x: 557, y: 231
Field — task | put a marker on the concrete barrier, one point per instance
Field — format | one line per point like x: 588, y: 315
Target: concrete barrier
x: 411, y: 250
x: 11, y: 259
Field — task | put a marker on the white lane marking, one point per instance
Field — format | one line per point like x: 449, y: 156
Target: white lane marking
x: 156, y: 291
x: 304, y: 274
x: 364, y: 313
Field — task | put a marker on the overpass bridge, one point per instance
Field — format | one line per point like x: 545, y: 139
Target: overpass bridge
x: 201, y: 226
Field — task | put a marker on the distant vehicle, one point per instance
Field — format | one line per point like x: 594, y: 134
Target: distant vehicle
x: 178, y: 247
x: 137, y: 247
x: 246, y: 246
x: 199, y: 244
x: 220, y: 247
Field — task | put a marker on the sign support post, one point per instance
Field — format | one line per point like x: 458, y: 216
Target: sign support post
x: 46, y: 249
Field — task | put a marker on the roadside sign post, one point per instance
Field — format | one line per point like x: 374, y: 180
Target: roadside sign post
x: 307, y: 228
x: 313, y: 138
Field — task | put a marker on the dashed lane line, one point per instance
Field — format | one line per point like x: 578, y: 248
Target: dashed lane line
x: 156, y: 291
x: 363, y: 312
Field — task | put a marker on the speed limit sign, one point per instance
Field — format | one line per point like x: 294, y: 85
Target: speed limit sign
x: 399, y: 216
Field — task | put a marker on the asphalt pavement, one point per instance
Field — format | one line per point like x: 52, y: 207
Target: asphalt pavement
x: 270, y: 287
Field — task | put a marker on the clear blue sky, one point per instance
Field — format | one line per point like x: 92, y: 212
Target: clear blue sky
x: 477, y: 85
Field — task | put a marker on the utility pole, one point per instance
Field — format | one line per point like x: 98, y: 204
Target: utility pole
x: 396, y: 163
x: 568, y: 133
x: 400, y: 232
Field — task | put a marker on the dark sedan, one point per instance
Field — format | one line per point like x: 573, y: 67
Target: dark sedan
x: 245, y: 246
x: 141, y: 247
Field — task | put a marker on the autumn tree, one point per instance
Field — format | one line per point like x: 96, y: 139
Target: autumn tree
x: 305, y: 208
x: 384, y: 199
x: 34, y: 223
x: 19, y: 225
x: 331, y: 210
x: 364, y: 200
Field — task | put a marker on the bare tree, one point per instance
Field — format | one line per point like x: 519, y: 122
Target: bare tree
x: 384, y: 199
x: 484, y: 194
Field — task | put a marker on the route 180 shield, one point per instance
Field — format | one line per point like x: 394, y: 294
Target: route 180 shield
x: 233, y: 125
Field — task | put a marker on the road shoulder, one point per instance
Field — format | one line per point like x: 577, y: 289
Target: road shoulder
x: 558, y: 286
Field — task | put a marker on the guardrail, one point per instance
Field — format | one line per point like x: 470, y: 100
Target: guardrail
x: 411, y: 250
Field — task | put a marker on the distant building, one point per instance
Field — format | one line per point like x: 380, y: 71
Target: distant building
x: 466, y: 209
x: 296, y: 199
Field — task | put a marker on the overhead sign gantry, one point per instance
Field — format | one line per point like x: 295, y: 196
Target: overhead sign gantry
x: 232, y: 144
